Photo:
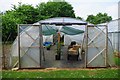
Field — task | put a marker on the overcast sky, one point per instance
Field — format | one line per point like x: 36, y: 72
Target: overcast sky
x: 82, y: 8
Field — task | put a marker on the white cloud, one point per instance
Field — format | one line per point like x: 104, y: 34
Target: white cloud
x: 33, y: 2
x: 86, y: 8
x: 82, y: 8
x: 112, y: 10
x: 5, y: 5
x: 92, y: 0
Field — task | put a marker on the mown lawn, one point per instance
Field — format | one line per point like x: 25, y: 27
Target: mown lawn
x: 87, y: 73
x: 117, y: 61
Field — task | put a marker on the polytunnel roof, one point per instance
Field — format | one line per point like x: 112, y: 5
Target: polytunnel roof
x: 112, y: 25
x: 62, y: 21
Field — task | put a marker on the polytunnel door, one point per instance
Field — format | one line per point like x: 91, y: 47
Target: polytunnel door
x: 28, y: 40
x: 96, y: 47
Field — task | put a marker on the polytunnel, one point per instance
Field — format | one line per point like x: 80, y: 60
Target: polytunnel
x: 114, y: 34
x: 28, y: 50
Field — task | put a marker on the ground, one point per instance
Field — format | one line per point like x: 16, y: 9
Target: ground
x: 62, y: 73
x: 63, y: 62
x: 6, y: 50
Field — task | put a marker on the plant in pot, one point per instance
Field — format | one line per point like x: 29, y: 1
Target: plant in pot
x: 58, y: 51
x: 48, y: 47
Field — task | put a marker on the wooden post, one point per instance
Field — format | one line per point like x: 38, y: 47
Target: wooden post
x: 19, y: 63
x: 3, y: 56
x: 58, y: 47
x: 58, y: 37
x: 106, y: 45
x: 41, y: 43
x: 80, y: 55
x: 119, y: 29
x: 119, y: 33
x: 86, y: 36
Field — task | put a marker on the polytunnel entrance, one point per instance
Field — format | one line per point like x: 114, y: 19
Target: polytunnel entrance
x: 39, y: 45
x: 34, y: 54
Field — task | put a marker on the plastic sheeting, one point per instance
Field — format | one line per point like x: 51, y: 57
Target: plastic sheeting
x: 114, y: 39
x: 30, y: 50
x: 29, y: 47
x: 114, y: 34
x: 97, y: 55
x: 29, y: 43
x: 63, y: 21
x: 95, y: 46
x: 77, y: 38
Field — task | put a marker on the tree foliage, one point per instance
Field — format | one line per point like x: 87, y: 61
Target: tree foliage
x: 55, y: 9
x: 27, y: 14
x: 99, y: 18
x: 79, y: 18
x: 1, y: 24
x: 23, y: 14
x: 9, y: 25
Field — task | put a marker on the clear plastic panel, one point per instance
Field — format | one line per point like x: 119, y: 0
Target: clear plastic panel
x: 29, y: 36
x: 111, y: 60
x: 62, y: 20
x: 31, y: 59
x: 68, y: 39
x: 14, y: 54
x: 29, y: 47
x: 99, y: 61
x: 96, y: 48
x: 113, y: 29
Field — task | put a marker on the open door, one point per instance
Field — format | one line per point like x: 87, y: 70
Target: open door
x: 96, y: 54
x: 29, y: 46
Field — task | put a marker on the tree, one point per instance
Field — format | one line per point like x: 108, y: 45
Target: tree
x: 79, y: 18
x: 55, y: 9
x: 99, y: 18
x: 23, y: 14
x: 9, y: 25
x: 1, y: 24
x: 26, y: 13
x: 58, y: 0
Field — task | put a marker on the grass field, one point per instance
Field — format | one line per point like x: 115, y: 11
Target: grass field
x: 85, y: 73
x: 117, y: 61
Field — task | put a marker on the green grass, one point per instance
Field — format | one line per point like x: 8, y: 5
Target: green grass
x: 117, y: 61
x: 91, y: 73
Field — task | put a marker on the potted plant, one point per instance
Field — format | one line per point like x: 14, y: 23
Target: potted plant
x: 48, y: 47
x: 58, y: 51
x: 57, y: 56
